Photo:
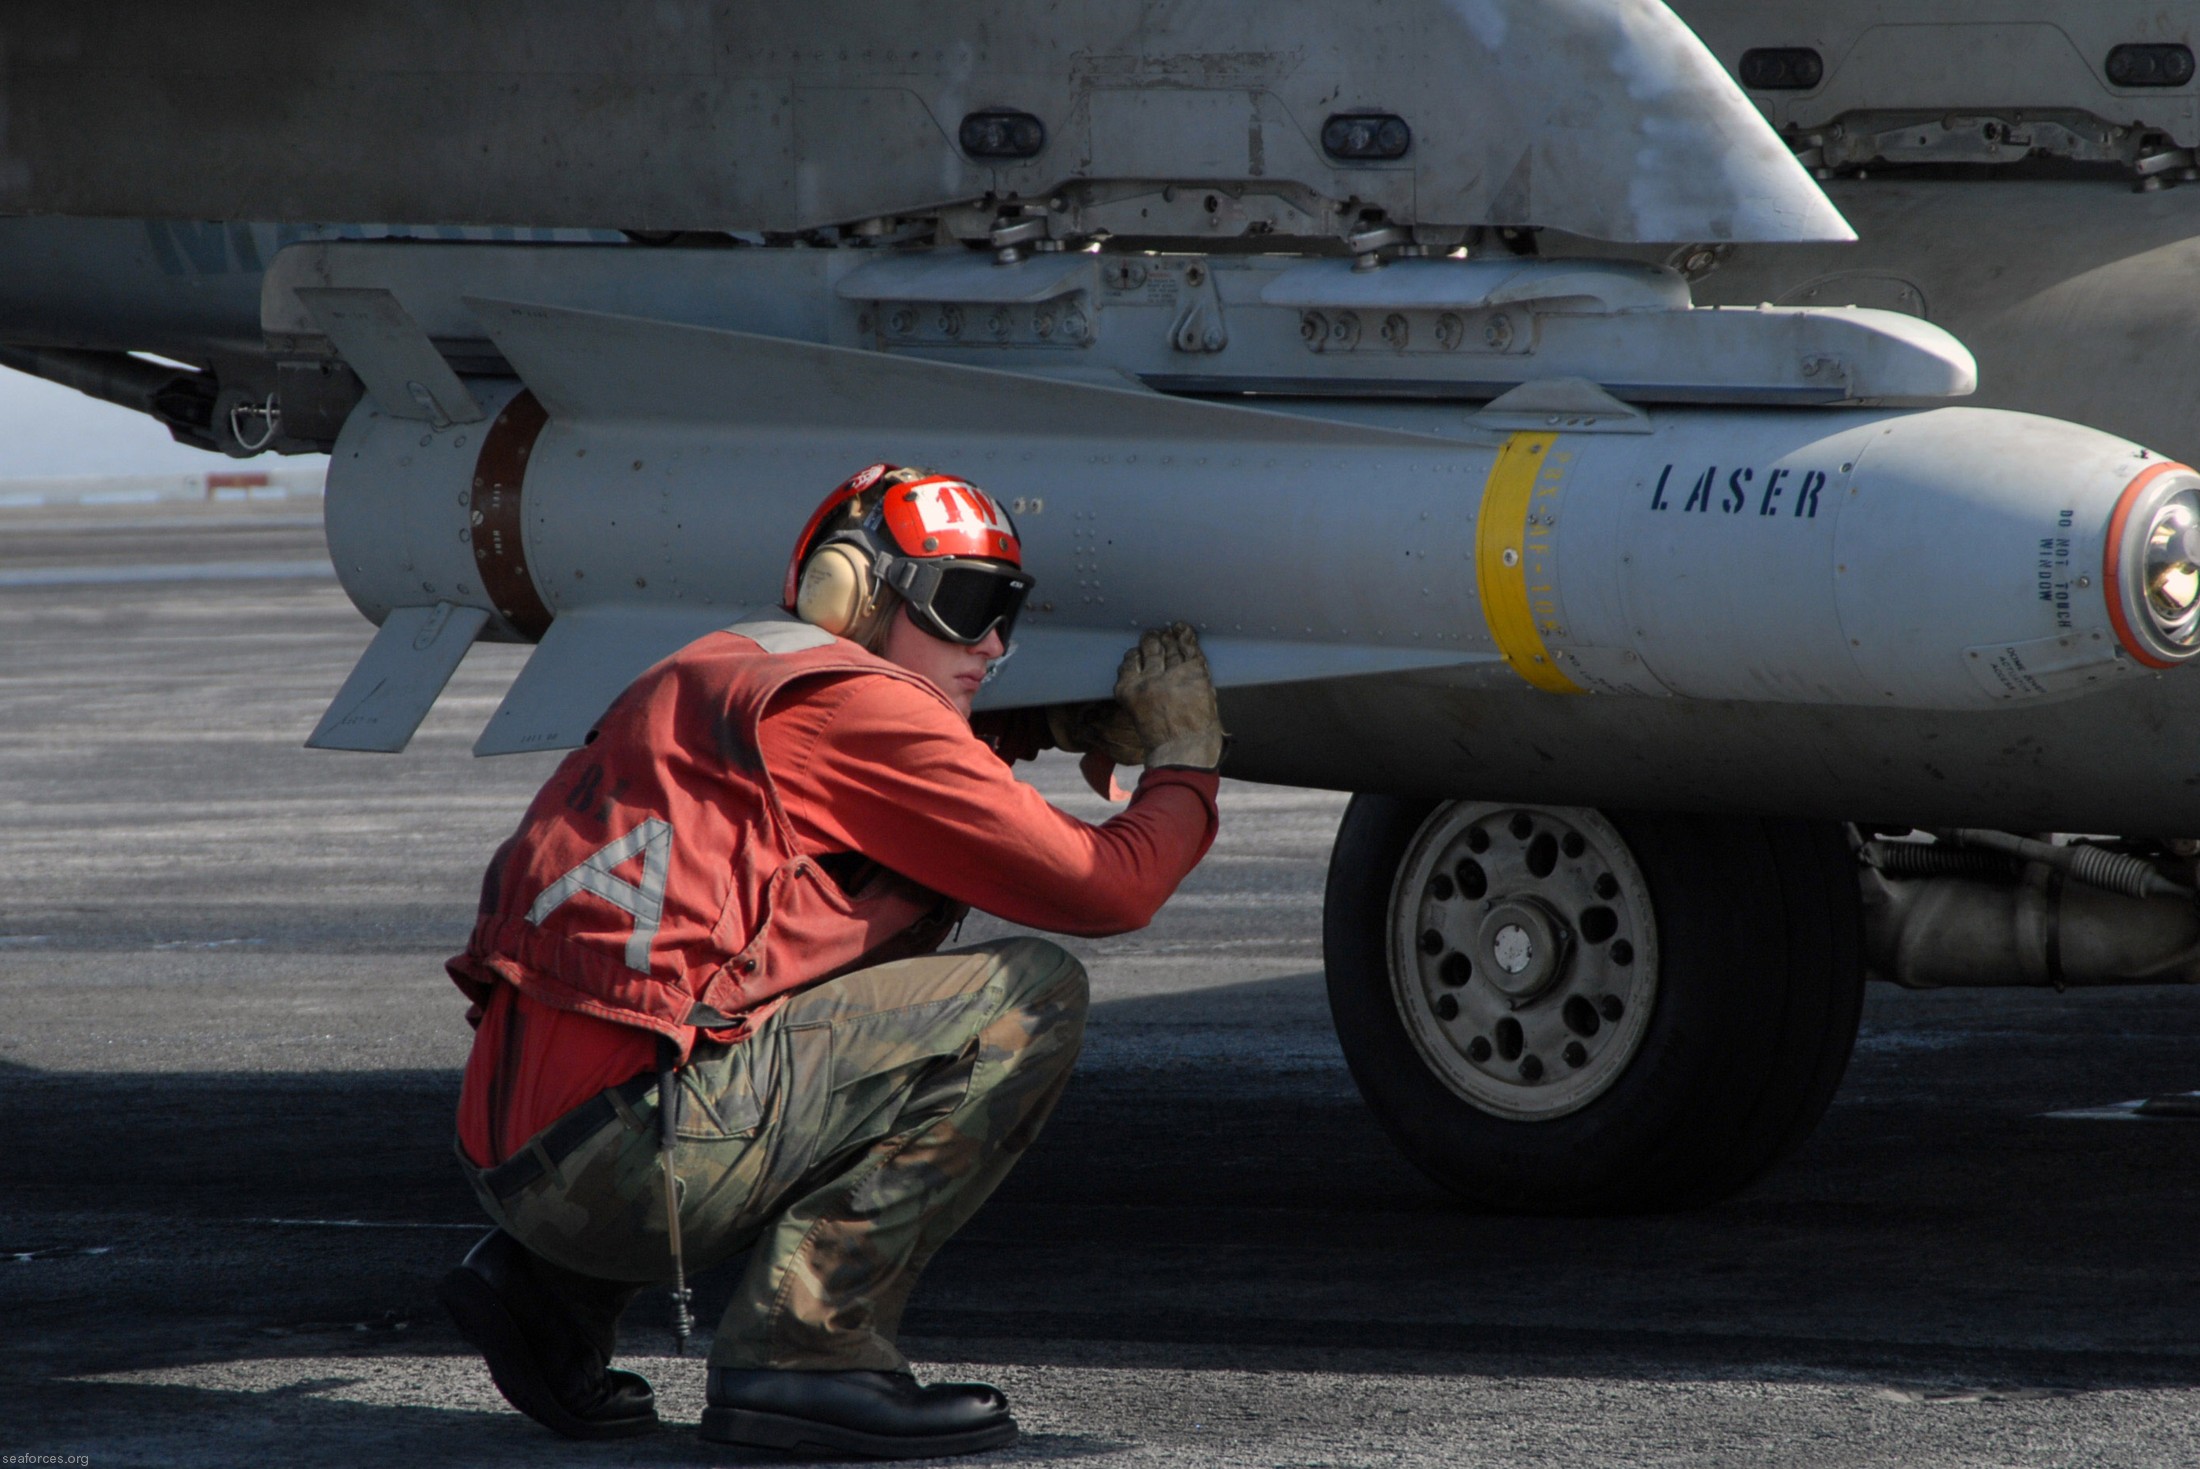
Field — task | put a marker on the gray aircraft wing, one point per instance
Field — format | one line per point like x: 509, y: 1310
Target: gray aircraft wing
x: 1606, y: 118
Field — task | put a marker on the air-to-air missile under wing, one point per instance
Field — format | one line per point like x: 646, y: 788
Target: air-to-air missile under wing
x: 1616, y: 607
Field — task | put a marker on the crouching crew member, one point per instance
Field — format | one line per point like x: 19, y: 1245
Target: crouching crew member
x: 709, y: 1012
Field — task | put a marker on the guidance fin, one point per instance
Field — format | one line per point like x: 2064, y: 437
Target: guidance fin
x: 398, y: 678
x: 586, y: 660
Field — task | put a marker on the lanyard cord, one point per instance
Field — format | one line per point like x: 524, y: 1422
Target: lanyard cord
x: 668, y: 1127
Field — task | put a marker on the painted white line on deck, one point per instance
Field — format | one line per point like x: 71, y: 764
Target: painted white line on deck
x: 2169, y: 1107
x: 351, y: 1224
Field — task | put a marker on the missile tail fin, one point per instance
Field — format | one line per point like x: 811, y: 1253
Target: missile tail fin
x: 403, y: 372
x: 398, y: 678
x: 585, y: 660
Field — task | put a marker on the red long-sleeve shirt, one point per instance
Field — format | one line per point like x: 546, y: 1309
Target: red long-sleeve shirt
x: 874, y: 766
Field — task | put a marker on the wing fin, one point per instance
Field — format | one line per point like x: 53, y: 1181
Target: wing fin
x: 398, y: 678
x: 381, y: 342
x: 586, y: 660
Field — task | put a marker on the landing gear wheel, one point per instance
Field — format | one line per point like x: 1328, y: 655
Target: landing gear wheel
x: 1556, y: 1009
x: 1549, y: 912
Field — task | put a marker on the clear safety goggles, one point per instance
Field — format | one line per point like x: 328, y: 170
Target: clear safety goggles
x: 960, y: 601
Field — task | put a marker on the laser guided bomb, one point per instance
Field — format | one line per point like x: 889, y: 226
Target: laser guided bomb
x: 1642, y: 627
x: 1781, y: 555
x: 1884, y: 559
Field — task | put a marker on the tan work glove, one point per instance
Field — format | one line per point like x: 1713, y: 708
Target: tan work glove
x: 1164, y: 684
x: 1103, y: 726
x: 1105, y: 734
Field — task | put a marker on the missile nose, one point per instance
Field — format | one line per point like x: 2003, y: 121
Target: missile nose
x: 2173, y: 559
x: 2173, y: 573
x: 2153, y: 566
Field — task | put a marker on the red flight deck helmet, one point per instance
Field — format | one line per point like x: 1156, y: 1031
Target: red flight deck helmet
x: 946, y: 547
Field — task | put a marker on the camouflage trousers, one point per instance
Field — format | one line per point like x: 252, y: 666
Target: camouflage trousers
x: 840, y: 1145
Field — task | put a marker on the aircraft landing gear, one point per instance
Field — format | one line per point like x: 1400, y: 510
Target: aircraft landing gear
x: 1555, y: 1009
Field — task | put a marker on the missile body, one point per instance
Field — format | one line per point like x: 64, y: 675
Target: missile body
x: 1428, y: 555
x: 1947, y: 559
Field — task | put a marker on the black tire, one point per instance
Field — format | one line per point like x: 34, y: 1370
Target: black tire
x: 1760, y: 986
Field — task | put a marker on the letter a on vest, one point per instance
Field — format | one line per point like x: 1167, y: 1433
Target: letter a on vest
x: 656, y: 881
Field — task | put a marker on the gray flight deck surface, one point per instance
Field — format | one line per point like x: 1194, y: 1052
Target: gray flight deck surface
x: 228, y: 1058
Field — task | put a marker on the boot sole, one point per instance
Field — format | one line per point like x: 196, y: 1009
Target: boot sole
x: 808, y: 1436
x: 482, y: 1320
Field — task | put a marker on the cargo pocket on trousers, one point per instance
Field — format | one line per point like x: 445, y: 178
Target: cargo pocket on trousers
x: 725, y: 1090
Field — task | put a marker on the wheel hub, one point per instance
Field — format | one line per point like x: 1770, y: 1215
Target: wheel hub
x: 1523, y: 946
x: 1523, y: 955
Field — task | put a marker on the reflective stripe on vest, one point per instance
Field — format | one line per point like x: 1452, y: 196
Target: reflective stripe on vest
x: 644, y: 900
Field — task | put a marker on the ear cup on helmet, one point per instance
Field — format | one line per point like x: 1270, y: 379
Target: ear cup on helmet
x: 836, y: 591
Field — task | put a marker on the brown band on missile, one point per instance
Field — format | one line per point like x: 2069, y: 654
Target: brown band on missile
x: 500, y: 474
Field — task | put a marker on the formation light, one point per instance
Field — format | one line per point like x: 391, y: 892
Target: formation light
x: 999, y: 133
x: 2149, y: 66
x: 1366, y: 137
x: 1782, y: 69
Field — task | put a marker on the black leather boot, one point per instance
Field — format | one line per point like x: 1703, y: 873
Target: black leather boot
x: 548, y: 1335
x: 883, y: 1414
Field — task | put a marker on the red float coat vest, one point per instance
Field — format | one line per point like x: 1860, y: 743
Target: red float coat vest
x: 655, y: 880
